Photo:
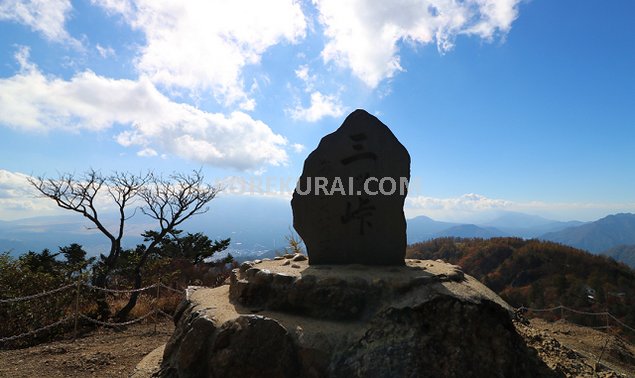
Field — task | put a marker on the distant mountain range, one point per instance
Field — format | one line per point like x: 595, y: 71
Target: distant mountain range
x: 601, y: 235
x: 470, y: 231
x: 258, y: 227
x: 508, y: 224
x: 613, y: 235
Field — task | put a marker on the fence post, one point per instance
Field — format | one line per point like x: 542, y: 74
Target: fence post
x: 79, y: 280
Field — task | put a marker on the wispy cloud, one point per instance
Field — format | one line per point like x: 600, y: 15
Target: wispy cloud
x: 320, y: 105
x: 105, y: 52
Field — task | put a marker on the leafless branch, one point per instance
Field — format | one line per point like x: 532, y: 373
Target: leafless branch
x: 173, y: 200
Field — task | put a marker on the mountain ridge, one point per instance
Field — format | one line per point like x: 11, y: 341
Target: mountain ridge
x: 605, y: 233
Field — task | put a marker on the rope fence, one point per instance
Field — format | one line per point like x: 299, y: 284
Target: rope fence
x: 120, y: 291
x: 562, y: 308
x: 76, y: 314
x: 621, y: 323
x: 36, y: 331
x: 39, y: 295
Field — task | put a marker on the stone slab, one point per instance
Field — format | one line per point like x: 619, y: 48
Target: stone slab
x: 358, y: 217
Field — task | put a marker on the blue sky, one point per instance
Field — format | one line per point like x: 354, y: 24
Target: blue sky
x: 504, y: 105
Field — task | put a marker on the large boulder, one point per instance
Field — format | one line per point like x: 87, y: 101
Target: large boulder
x: 348, y: 205
x: 280, y: 319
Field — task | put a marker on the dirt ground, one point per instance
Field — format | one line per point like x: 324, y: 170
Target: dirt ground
x: 575, y: 351
x: 102, y: 353
x: 570, y: 349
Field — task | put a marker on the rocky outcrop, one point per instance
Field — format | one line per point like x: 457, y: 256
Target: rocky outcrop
x: 424, y: 319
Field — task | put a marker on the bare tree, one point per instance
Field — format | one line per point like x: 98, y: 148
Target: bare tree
x: 80, y: 193
x: 169, y: 202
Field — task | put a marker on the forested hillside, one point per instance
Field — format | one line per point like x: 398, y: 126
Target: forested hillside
x: 540, y: 274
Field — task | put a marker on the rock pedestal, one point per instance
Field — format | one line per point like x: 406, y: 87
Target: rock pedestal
x: 348, y: 205
x: 284, y: 318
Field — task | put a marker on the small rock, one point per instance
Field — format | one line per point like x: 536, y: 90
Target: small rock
x: 278, y: 258
x: 295, y: 265
x: 246, y: 265
x: 299, y: 257
x: 251, y: 272
x: 287, y: 262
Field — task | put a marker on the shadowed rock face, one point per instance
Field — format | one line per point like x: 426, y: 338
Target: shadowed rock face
x: 348, y: 207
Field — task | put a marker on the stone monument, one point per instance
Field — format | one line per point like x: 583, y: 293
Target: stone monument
x: 348, y: 205
x: 347, y: 314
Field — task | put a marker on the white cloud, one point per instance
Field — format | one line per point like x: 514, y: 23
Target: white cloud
x: 364, y: 36
x: 476, y: 208
x: 466, y: 203
x: 321, y: 106
x: 147, y: 152
x: 43, y: 16
x: 105, y: 52
x: 18, y: 199
x: 123, y: 7
x: 13, y: 185
x: 204, y: 45
x: 298, y: 148
x: 31, y: 101
x: 303, y: 74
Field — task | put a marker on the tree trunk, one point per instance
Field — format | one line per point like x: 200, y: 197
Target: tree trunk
x: 101, y: 280
x: 122, y: 315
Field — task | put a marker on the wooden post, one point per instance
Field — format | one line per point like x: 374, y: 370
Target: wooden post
x: 79, y: 280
